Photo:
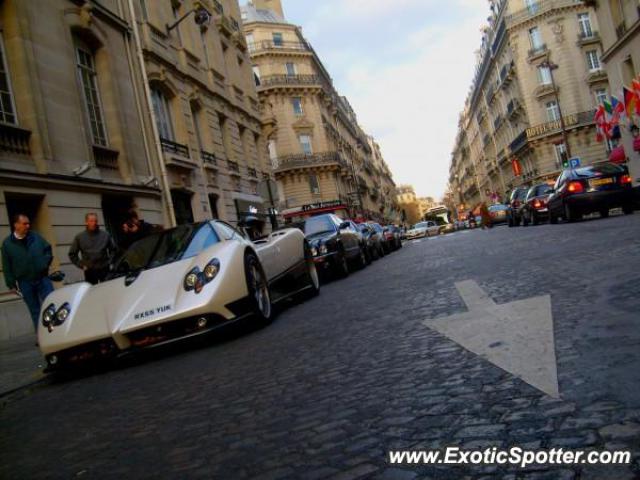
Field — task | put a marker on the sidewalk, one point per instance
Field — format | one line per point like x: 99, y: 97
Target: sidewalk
x: 21, y: 363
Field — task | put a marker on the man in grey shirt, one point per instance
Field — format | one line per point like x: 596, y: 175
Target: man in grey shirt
x: 92, y: 250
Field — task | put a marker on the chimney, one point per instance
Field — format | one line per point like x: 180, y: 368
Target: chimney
x: 273, y: 5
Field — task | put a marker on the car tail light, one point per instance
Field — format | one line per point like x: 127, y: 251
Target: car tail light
x: 625, y: 179
x: 575, y: 187
x: 537, y: 203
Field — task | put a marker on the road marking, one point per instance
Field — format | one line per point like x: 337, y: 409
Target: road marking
x: 515, y: 336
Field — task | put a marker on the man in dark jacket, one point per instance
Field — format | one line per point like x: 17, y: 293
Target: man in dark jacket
x: 135, y: 229
x: 26, y: 257
x: 92, y: 250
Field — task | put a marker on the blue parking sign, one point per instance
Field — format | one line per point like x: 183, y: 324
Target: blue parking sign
x: 574, y: 162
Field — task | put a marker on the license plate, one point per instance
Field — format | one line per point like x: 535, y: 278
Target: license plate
x: 600, y: 181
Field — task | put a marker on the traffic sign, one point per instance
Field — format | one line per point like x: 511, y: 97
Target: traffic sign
x: 574, y: 162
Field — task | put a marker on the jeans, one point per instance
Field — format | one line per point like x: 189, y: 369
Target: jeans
x: 34, y: 293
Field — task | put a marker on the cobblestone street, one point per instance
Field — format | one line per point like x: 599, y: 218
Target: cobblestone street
x: 336, y: 382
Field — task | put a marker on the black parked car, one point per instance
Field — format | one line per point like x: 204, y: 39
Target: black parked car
x: 535, y: 207
x: 516, y: 202
x: 596, y: 188
x: 372, y: 240
x: 335, y: 243
x: 386, y: 244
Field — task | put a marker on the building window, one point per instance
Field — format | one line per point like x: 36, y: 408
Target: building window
x: 601, y: 96
x: 297, y: 105
x: 561, y: 153
x: 532, y: 6
x: 7, y: 108
x: 162, y: 113
x: 628, y: 70
x: 305, y: 144
x: 314, y: 185
x: 544, y: 75
x: 277, y: 39
x: 553, y: 112
x: 89, y: 83
x: 535, y: 38
x: 593, y: 62
x: 291, y: 68
x: 585, y: 25
x: 256, y: 74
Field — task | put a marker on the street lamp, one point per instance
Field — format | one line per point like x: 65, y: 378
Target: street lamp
x: 202, y: 17
x: 552, y: 66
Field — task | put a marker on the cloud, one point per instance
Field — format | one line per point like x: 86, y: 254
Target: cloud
x: 406, y: 67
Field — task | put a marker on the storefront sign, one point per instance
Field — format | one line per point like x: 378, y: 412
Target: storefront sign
x: 321, y: 205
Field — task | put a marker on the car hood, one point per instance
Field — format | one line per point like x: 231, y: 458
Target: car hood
x: 321, y: 237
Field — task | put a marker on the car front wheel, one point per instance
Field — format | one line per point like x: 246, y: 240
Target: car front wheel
x: 258, y: 288
x: 342, y: 265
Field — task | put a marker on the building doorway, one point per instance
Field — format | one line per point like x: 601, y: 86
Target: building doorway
x: 213, y: 205
x: 29, y: 205
x: 182, y: 206
x: 115, y: 209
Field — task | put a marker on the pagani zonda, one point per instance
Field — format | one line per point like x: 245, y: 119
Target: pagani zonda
x: 174, y: 284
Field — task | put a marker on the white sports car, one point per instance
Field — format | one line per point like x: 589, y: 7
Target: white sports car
x: 174, y: 284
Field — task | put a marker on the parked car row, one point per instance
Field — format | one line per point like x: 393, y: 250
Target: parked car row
x: 338, y: 245
x: 576, y: 192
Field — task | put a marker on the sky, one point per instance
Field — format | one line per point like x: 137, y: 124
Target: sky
x: 406, y: 67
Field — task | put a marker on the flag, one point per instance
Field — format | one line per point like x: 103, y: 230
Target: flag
x: 630, y: 101
x: 635, y: 86
x: 602, y: 127
x: 617, y: 110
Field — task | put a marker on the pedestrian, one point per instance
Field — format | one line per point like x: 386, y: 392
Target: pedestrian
x: 26, y: 258
x: 635, y: 133
x: 92, y: 250
x: 485, y: 216
x: 135, y: 229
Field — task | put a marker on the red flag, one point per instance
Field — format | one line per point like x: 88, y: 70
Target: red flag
x: 635, y: 86
x: 630, y: 101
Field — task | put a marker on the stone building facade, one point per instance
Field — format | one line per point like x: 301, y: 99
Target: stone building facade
x: 321, y: 158
x: 619, y: 22
x: 539, y: 62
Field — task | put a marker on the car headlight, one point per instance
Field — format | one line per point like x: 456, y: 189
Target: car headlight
x: 323, y: 249
x: 191, y: 279
x: 62, y: 314
x: 48, y: 315
x: 211, y: 270
x: 314, y: 252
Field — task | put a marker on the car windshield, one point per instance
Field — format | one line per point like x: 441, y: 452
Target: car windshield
x: 317, y: 225
x: 496, y: 208
x: 520, y: 193
x: 541, y: 190
x: 165, y: 247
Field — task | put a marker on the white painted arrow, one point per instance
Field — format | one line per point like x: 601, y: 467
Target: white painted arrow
x: 515, y: 336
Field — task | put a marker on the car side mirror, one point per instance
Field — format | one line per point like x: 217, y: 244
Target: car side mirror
x: 344, y: 225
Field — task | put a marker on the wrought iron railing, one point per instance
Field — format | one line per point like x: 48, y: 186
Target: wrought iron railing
x: 276, y: 80
x: 538, y: 8
x: 14, y: 139
x: 288, y: 162
x: 271, y: 45
x: 105, y: 157
x: 170, y: 146
x: 570, y: 121
x: 233, y: 166
x: 208, y: 157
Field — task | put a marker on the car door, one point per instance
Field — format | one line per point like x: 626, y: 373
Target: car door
x: 555, y: 199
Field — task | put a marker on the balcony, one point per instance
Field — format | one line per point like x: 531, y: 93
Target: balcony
x: 252, y: 172
x: 288, y: 81
x: 588, y: 38
x: 537, y: 52
x: 292, y: 162
x: 506, y: 74
x: 233, y: 168
x: 621, y: 29
x: 217, y: 6
x: 597, y: 76
x: 270, y: 46
x: 519, y: 142
x: 14, y: 139
x: 574, y: 120
x: 544, y: 90
x: 539, y: 8
x: 175, y: 148
x: 514, y: 108
x: 208, y: 158
x: 105, y: 157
